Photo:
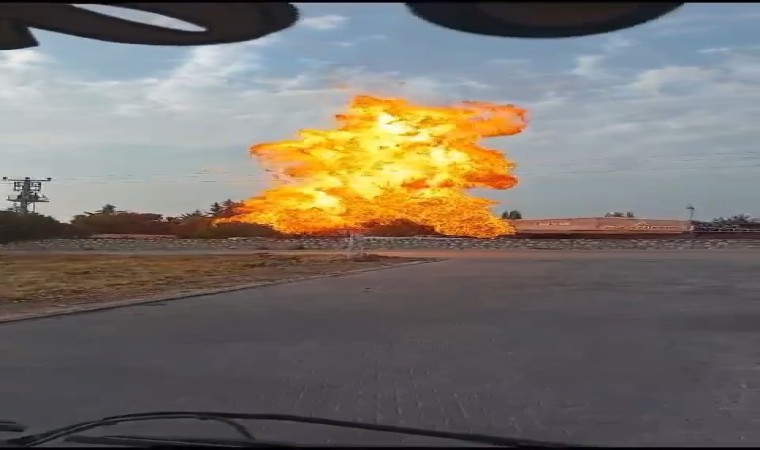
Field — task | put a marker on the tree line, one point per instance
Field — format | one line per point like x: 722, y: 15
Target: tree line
x: 199, y: 224
x: 196, y: 224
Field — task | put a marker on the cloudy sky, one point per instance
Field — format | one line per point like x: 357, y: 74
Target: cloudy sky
x: 645, y: 120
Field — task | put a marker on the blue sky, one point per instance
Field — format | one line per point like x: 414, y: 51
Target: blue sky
x: 645, y: 120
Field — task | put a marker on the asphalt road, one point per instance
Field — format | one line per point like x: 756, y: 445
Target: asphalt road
x: 629, y: 348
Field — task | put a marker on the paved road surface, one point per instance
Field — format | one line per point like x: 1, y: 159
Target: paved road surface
x: 599, y: 348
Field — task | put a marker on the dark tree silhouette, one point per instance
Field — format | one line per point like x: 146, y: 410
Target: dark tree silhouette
x: 512, y: 215
x: 628, y: 215
x: 107, y: 209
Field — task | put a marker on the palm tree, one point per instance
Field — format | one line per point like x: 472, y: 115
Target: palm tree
x: 229, y: 204
x: 216, y: 208
x: 228, y: 208
x: 196, y: 213
x: 107, y: 209
x: 629, y: 214
x: 740, y: 219
x: 511, y: 215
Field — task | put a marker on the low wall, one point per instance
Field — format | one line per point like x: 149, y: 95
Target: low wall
x: 378, y: 244
x: 133, y: 236
x: 602, y: 225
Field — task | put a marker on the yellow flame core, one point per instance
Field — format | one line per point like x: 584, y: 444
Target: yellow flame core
x: 389, y: 160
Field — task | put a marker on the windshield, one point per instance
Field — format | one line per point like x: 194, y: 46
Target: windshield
x: 376, y: 213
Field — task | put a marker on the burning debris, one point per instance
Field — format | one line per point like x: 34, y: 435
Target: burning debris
x: 389, y: 160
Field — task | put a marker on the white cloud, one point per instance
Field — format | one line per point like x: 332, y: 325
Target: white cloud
x: 325, y: 22
x: 592, y: 65
x: 616, y: 43
x: 143, y: 111
x: 362, y: 39
x: 685, y: 134
x: 654, y: 80
x: 711, y: 17
x: 588, y: 66
x: 715, y: 50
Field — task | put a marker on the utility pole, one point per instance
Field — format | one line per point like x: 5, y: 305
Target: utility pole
x: 354, y: 243
x: 691, y: 209
x: 29, y: 194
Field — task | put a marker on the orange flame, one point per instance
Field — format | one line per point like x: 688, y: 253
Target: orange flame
x: 388, y: 160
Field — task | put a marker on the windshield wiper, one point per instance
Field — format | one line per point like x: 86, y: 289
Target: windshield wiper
x: 11, y: 426
x: 71, y: 433
x: 150, y: 441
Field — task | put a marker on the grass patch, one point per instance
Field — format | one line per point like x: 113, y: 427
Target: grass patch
x: 42, y: 282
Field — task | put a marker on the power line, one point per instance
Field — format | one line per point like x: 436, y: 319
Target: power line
x: 652, y: 156
x: 653, y: 169
x: 195, y: 177
x: 180, y: 180
x: 750, y: 155
x: 257, y: 180
x: 648, y: 157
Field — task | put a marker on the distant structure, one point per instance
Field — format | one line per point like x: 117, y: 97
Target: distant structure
x: 28, y: 192
x: 691, y: 210
x: 602, y: 225
x: 354, y: 243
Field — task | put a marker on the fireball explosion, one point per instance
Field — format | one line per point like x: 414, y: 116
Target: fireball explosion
x: 389, y: 160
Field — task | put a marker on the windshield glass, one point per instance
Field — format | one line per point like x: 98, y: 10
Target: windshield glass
x: 377, y: 213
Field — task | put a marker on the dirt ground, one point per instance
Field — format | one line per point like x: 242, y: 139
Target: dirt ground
x: 31, y: 283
